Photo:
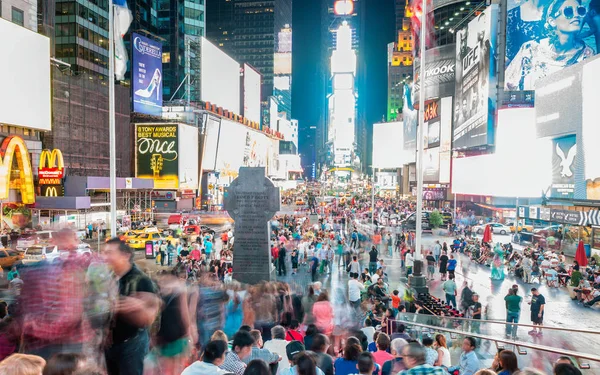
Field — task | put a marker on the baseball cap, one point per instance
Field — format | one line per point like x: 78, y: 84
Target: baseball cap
x: 293, y: 348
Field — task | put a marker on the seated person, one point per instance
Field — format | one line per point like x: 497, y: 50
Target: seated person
x: 583, y: 290
x: 552, y: 277
x: 595, y: 297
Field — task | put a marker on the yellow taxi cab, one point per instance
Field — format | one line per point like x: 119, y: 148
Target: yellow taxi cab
x: 300, y: 202
x: 9, y: 258
x: 520, y: 227
x: 139, y: 242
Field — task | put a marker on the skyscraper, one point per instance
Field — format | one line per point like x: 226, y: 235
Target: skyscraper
x: 310, y: 74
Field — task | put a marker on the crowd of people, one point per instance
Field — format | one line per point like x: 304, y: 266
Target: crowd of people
x: 105, y: 314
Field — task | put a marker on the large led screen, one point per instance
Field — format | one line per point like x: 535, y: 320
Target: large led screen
x: 386, y: 153
x: 251, y: 94
x: 25, y: 76
x: 475, y: 73
x: 431, y: 165
x: 543, y: 38
x: 410, y: 117
x: 590, y: 129
x: 157, y: 154
x: 188, y: 157
x: 564, y: 167
x: 220, y: 78
x: 146, y: 75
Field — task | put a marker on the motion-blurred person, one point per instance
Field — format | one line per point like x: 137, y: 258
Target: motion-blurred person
x: 324, y: 361
x: 172, y: 341
x: 207, y: 306
x: 301, y: 363
x: 22, y: 364
x: 64, y: 364
x: 366, y: 364
x: 135, y: 311
x: 64, y: 328
x: 346, y: 365
x: 257, y: 367
x: 260, y: 353
x: 213, y: 357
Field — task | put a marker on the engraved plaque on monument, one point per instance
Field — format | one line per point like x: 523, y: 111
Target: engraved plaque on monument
x: 252, y: 200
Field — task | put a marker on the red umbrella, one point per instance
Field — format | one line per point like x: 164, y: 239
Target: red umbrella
x: 580, y: 256
x: 487, y: 234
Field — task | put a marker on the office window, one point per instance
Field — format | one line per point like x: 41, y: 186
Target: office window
x: 0, y: 8
x: 17, y: 16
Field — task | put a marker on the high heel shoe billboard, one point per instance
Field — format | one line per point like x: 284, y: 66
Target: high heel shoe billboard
x: 147, y: 75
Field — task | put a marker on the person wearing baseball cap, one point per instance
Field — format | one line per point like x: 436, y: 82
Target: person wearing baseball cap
x: 299, y: 357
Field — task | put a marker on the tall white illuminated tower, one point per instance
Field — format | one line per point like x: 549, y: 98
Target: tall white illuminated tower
x: 342, y: 102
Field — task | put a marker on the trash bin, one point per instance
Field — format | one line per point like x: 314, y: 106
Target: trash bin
x: 588, y: 250
x: 150, y: 253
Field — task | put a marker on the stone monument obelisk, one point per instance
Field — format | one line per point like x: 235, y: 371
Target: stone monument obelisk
x: 252, y: 200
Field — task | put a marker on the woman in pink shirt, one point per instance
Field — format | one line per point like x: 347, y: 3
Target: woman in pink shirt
x: 323, y: 314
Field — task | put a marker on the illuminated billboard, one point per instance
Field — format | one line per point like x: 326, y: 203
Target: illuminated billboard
x: 475, y: 75
x: 156, y: 154
x: 439, y: 73
x: 386, y: 137
x: 219, y: 78
x: 146, y: 75
x: 431, y: 164
x: 410, y: 117
x: 533, y: 37
x: 282, y: 65
x: 251, y: 94
x: 188, y: 157
x: 564, y: 166
x: 25, y: 75
x: 343, y: 7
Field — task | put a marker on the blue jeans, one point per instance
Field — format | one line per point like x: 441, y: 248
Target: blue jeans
x: 512, y: 317
x: 372, y: 267
x: 127, y: 358
x: 451, y: 300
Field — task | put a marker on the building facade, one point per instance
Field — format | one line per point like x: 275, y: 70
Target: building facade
x: 400, y: 60
x: 21, y: 12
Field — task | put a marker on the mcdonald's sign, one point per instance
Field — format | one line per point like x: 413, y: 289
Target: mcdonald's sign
x: 11, y: 146
x: 52, y: 167
x: 52, y: 191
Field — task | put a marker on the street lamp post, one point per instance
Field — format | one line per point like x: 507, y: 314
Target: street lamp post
x: 111, y: 119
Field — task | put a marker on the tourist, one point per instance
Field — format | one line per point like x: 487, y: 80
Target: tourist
x: 257, y: 367
x: 430, y: 265
x: 431, y: 355
x: 409, y: 262
x: 451, y: 266
x: 469, y: 362
x: 346, y: 365
x: 277, y: 345
x: 381, y: 355
x: 443, y: 262
x: 366, y: 364
x: 323, y: 314
x: 513, y: 312
x: 395, y: 365
x: 443, y: 358
x: 241, y: 348
x: 258, y: 352
x: 538, y: 306
x: 508, y: 363
x: 450, y: 289
x: 324, y: 361
x: 212, y: 359
x: 413, y: 357
x: 373, y: 254
x: 355, y: 288
x: 22, y: 364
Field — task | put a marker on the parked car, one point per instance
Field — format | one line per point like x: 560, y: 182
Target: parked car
x: 496, y: 228
x: 51, y: 253
x: 520, y: 227
x: 410, y: 223
x: 9, y: 258
x: 36, y: 238
x: 139, y: 242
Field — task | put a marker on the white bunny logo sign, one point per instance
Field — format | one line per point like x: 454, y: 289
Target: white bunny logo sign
x: 566, y: 161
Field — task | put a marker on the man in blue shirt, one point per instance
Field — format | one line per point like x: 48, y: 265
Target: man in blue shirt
x: 208, y: 248
x: 469, y: 363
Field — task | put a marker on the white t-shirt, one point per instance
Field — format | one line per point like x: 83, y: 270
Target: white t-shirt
x: 410, y: 260
x: 354, y: 289
x: 369, y: 332
x: 375, y: 278
x: 277, y: 346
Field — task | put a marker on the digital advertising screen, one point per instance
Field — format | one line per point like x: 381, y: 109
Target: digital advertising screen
x: 432, y: 123
x: 439, y: 73
x: 219, y: 78
x: 564, y: 165
x: 434, y: 194
x: 188, y: 157
x: 475, y: 74
x: 157, y: 153
x: 251, y: 94
x: 386, y: 137
x: 534, y: 35
x: 410, y: 118
x: 25, y: 97
x: 146, y: 75
x: 431, y: 165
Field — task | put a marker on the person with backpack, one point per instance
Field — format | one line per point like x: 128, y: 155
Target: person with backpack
x: 136, y: 309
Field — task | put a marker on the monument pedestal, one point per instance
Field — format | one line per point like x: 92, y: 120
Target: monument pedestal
x: 252, y: 200
x: 417, y: 281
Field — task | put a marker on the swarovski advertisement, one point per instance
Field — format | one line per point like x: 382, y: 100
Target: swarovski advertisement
x: 156, y: 154
x: 431, y: 164
x: 146, y: 75
x: 564, y: 163
x: 544, y: 37
x: 439, y: 72
x: 434, y: 194
x: 476, y: 78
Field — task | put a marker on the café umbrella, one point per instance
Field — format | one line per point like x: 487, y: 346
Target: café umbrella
x: 487, y: 234
x: 580, y: 256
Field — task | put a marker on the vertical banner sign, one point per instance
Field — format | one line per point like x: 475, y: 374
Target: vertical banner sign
x: 475, y: 71
x: 146, y: 75
x: 410, y: 122
x: 563, y: 167
x: 157, y: 154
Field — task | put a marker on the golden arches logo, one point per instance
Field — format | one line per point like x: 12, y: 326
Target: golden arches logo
x: 51, y: 191
x: 10, y: 146
x: 52, y: 159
